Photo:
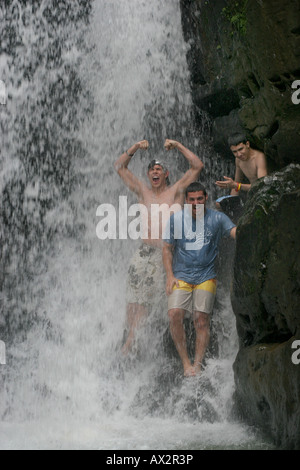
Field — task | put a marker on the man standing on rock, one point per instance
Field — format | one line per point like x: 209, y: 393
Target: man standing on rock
x: 146, y: 277
x: 189, y: 259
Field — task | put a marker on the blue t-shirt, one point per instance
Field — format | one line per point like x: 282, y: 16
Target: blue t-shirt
x: 196, y: 246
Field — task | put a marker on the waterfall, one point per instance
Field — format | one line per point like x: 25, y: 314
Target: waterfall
x: 84, y: 85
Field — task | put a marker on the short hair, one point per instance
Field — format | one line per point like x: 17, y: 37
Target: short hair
x: 194, y: 188
x: 236, y: 139
x: 163, y: 165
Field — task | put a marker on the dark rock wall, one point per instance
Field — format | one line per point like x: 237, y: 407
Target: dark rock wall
x: 244, y: 60
x: 266, y: 286
x: 265, y: 299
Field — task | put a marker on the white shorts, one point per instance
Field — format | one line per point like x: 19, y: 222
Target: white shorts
x: 146, y: 278
x: 193, y: 298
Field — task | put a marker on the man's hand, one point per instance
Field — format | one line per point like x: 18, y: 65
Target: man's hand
x: 143, y: 144
x: 227, y: 184
x: 170, y: 144
x: 171, y: 282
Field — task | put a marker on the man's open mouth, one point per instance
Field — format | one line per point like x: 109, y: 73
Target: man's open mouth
x: 155, y: 179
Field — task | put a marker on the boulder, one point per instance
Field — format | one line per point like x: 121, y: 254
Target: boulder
x: 268, y: 391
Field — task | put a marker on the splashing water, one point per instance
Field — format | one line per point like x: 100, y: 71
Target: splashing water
x: 65, y: 385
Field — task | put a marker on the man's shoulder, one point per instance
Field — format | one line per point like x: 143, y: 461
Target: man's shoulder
x: 178, y: 215
x: 258, y: 155
x: 213, y: 213
x: 218, y: 217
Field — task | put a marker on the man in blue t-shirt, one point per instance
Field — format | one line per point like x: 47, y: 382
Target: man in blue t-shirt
x: 189, y: 253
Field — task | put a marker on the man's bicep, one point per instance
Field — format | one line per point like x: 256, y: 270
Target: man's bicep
x: 233, y: 233
x: 262, y: 166
x: 189, y: 177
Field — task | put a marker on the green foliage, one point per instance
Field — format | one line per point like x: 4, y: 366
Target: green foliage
x: 235, y: 13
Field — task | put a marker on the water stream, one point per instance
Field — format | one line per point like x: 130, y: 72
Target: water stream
x: 65, y: 384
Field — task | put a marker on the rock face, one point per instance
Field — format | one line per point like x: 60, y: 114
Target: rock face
x: 265, y: 300
x: 244, y: 61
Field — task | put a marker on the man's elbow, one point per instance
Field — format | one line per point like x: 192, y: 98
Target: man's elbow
x: 118, y: 167
x: 200, y: 166
x: 167, y: 248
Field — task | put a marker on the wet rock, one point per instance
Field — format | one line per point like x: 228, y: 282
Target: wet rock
x: 268, y: 391
x: 265, y: 300
x: 265, y: 295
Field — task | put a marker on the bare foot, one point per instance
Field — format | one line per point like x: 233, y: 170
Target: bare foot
x: 126, y: 349
x: 197, y: 369
x: 189, y: 371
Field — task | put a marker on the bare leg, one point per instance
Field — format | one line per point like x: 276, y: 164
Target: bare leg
x: 135, y: 314
x: 176, y: 317
x: 202, y: 327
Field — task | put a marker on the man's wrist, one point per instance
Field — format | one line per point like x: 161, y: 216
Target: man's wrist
x: 169, y: 274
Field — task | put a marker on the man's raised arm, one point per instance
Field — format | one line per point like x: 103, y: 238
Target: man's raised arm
x: 121, y: 166
x: 196, y: 164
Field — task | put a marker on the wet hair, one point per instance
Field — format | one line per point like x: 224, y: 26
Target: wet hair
x: 194, y: 188
x: 236, y: 139
x: 157, y: 162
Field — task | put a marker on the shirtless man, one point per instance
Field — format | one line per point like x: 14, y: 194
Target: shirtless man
x: 146, y: 277
x: 249, y: 162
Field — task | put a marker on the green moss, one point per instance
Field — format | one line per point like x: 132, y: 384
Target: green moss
x: 258, y: 214
x: 235, y: 13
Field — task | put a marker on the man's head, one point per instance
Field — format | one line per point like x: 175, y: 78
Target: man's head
x: 158, y: 174
x: 196, y: 194
x: 240, y: 146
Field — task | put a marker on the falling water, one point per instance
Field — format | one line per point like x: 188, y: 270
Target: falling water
x: 65, y: 384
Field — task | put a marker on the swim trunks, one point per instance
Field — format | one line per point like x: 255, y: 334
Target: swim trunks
x: 146, y: 277
x: 194, y: 298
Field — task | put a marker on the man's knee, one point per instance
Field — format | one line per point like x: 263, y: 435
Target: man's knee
x: 176, y: 315
x: 136, y: 311
x: 201, y: 320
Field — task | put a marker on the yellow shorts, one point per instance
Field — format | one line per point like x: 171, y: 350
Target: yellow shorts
x: 194, y: 298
